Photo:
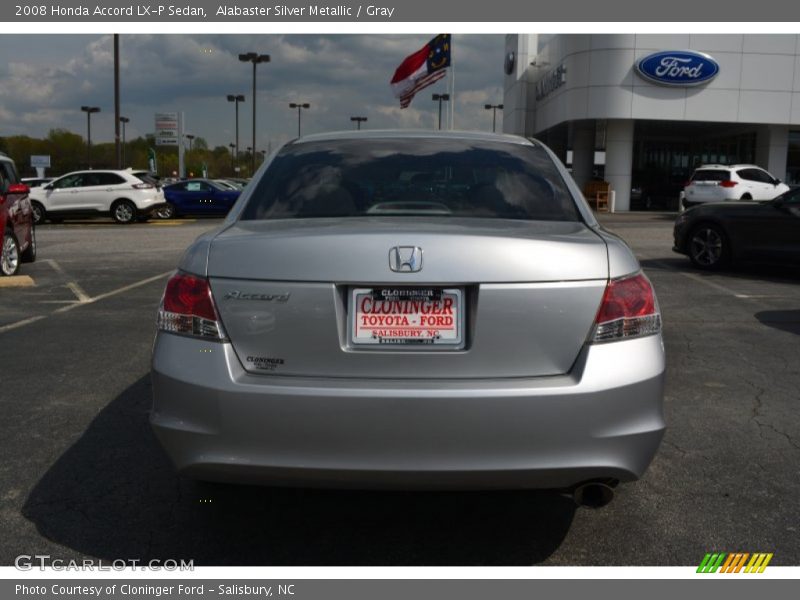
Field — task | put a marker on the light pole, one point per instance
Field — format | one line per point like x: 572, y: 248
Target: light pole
x: 236, y: 98
x: 190, y: 137
x: 358, y: 121
x: 123, y: 120
x: 441, y: 98
x: 494, y: 108
x: 255, y: 58
x: 232, y: 146
x: 299, y: 107
x: 89, y: 110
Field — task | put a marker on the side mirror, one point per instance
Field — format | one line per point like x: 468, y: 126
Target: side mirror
x: 18, y: 188
x: 776, y: 181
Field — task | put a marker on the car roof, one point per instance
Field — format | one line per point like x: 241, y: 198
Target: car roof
x: 414, y: 134
x: 728, y: 167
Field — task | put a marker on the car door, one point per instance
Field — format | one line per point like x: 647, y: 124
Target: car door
x: 62, y: 195
x: 107, y: 188
x: 15, y: 205
x: 198, y: 196
x: 771, y: 230
x: 89, y: 197
x: 786, y: 227
x: 757, y: 183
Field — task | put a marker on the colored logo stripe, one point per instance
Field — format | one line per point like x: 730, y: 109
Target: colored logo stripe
x: 734, y: 562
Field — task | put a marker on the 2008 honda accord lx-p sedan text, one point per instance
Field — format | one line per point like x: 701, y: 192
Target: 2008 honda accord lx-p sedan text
x: 417, y: 310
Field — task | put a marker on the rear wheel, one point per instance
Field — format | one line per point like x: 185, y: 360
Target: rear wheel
x: 123, y: 212
x: 9, y: 255
x: 746, y: 197
x: 29, y: 255
x: 708, y: 247
x: 166, y: 212
x: 38, y: 213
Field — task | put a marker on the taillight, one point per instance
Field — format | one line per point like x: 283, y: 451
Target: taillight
x: 143, y: 186
x: 629, y: 309
x: 727, y: 184
x: 188, y: 308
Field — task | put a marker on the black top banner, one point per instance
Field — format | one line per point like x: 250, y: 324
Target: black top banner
x: 464, y: 11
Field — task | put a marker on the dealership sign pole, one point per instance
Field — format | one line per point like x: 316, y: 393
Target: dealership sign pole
x: 169, y: 132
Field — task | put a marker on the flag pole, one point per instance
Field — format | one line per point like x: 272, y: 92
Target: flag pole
x: 452, y: 86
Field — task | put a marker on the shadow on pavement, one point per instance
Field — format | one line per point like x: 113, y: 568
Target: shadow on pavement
x: 785, y: 320
x: 114, y: 495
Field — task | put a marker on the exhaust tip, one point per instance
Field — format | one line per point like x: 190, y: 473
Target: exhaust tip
x: 593, y: 494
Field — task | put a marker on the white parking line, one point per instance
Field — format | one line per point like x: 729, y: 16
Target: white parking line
x: 115, y: 292
x: 22, y: 323
x: 89, y: 300
x: 74, y: 286
x: 712, y: 284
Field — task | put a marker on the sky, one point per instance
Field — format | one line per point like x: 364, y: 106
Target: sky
x: 45, y: 79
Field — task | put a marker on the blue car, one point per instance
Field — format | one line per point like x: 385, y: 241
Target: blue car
x: 197, y: 197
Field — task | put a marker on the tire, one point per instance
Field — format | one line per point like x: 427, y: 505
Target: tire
x: 9, y: 255
x: 167, y: 212
x: 746, y: 197
x: 29, y: 255
x: 38, y: 213
x: 708, y: 247
x: 123, y: 212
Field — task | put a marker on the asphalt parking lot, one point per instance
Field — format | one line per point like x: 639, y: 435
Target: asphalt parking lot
x: 83, y: 476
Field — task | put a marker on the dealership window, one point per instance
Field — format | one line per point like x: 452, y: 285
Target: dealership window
x: 793, y: 159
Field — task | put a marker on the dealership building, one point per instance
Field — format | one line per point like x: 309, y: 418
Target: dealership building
x: 642, y: 111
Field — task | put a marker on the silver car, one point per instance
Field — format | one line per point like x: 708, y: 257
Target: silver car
x: 414, y: 310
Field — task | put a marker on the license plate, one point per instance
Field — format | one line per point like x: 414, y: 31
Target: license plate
x: 406, y: 317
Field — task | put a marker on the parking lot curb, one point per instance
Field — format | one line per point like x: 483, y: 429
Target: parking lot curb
x: 17, y: 281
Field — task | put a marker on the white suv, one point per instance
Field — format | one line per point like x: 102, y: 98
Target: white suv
x: 716, y: 183
x: 120, y: 194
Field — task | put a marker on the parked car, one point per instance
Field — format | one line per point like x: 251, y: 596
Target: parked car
x: 17, y: 231
x: 197, y: 197
x: 345, y: 328
x: 33, y: 182
x: 117, y: 193
x: 718, y: 234
x: 717, y: 183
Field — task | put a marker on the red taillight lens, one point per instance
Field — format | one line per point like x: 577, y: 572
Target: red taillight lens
x: 727, y: 184
x: 188, y: 308
x: 628, y: 309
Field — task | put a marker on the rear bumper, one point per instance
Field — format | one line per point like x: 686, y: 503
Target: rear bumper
x: 218, y: 422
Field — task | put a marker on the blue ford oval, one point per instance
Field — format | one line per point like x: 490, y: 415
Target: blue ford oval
x: 678, y: 68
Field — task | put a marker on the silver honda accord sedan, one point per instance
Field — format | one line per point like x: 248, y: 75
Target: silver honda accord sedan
x: 414, y: 310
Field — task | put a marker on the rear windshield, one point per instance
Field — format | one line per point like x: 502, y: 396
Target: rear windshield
x: 148, y: 178
x: 407, y: 177
x: 711, y: 175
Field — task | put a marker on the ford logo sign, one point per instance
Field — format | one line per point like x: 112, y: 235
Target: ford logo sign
x: 678, y: 68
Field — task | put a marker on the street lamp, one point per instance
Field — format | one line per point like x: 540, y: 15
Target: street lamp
x: 441, y: 98
x: 358, y: 121
x: 494, y: 108
x: 236, y: 98
x: 299, y: 107
x: 255, y: 58
x: 232, y: 146
x: 89, y: 110
x: 123, y: 120
x: 190, y: 137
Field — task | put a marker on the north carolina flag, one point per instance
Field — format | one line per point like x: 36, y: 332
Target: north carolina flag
x: 423, y: 68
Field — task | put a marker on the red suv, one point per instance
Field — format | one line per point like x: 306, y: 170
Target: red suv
x: 17, y: 235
